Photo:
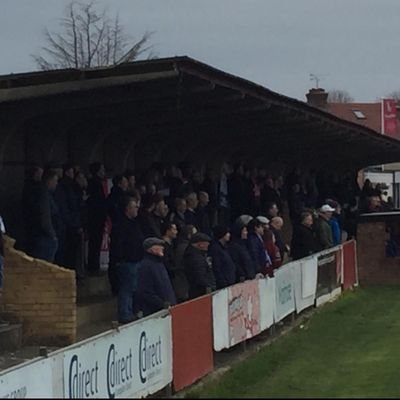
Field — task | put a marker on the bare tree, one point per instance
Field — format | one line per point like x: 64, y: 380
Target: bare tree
x: 394, y: 95
x: 339, y: 96
x: 90, y: 38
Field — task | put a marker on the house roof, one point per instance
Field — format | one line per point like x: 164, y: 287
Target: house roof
x: 219, y: 114
x: 372, y: 112
x: 366, y: 114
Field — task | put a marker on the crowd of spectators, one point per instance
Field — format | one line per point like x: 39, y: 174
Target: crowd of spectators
x: 177, y: 233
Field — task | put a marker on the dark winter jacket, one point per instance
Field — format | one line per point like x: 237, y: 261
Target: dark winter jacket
x: 97, y: 203
x: 324, y: 233
x: 30, y: 206
x: 191, y: 218
x: 199, y: 272
x: 169, y: 259
x: 279, y: 241
x: 69, y: 202
x: 46, y: 214
x: 304, y: 242
x: 126, y: 241
x: 154, y: 286
x: 203, y: 220
x: 223, y: 265
x: 245, y: 266
x: 114, y: 203
x: 154, y: 228
x: 256, y: 248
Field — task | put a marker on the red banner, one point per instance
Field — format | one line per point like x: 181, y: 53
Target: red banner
x: 193, y: 342
x: 389, y: 118
x: 349, y: 264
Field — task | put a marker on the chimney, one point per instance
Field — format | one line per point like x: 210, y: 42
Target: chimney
x: 317, y: 98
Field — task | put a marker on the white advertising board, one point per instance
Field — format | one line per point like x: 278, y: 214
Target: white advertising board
x: 267, y: 302
x: 305, y: 272
x: 284, y: 291
x: 220, y: 319
x: 32, y: 380
x: 132, y: 362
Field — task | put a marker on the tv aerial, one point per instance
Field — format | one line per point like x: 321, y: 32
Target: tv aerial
x: 316, y: 78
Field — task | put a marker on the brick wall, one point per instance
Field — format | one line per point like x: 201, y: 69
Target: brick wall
x: 373, y: 265
x: 40, y: 295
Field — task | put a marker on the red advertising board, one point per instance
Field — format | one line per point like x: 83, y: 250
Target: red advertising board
x: 193, y: 343
x: 389, y: 118
x: 349, y: 264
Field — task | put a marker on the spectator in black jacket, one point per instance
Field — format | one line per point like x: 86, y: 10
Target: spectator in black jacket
x: 270, y: 195
x: 126, y: 250
x: 145, y: 212
x: 157, y: 217
x: 223, y: 265
x: 245, y: 266
x: 30, y: 203
x: 203, y: 214
x: 179, y: 282
x: 272, y: 210
x: 198, y: 266
x: 255, y: 244
x: 118, y: 191
x: 276, y: 225
x: 154, y: 291
x: 81, y: 185
x: 177, y: 216
x: 97, y: 212
x: 69, y: 203
x: 237, y: 190
x: 131, y: 177
x: 304, y: 242
x: 190, y: 214
x: 169, y: 234
x: 44, y: 238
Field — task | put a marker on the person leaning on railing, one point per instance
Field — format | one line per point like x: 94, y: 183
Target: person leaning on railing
x: 198, y: 266
x: 323, y: 228
x: 154, y: 289
x: 304, y: 242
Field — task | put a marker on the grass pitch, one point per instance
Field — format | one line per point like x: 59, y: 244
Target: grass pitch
x: 350, y: 348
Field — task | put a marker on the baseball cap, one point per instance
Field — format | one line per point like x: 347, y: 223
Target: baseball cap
x: 263, y: 220
x: 326, y: 208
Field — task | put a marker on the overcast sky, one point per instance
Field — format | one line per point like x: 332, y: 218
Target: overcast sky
x: 352, y: 44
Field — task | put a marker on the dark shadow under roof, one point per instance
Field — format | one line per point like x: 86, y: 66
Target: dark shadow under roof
x: 238, y: 118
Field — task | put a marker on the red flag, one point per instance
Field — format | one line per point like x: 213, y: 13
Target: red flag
x: 389, y: 118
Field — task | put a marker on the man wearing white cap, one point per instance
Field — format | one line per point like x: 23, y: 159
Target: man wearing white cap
x: 323, y: 229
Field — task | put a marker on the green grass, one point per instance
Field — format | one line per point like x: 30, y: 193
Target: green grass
x: 350, y: 348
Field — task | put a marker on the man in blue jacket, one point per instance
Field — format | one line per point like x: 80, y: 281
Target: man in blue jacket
x: 154, y: 291
x: 223, y: 265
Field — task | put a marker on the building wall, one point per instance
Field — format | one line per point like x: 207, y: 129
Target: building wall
x: 41, y: 296
x: 374, y: 267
